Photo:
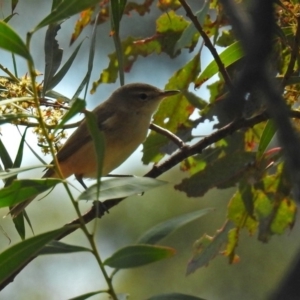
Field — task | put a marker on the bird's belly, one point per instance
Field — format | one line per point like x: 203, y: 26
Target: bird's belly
x: 116, y: 152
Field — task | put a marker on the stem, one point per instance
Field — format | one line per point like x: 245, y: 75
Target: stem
x: 60, y: 175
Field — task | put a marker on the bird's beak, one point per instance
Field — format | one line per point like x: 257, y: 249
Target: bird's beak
x: 169, y: 93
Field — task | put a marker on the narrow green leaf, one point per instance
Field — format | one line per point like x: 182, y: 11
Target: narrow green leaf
x: 18, y: 255
x: 56, y: 247
x: 64, y: 70
x: 5, y: 157
x: 20, y: 225
x: 77, y: 107
x: 19, y: 156
x: 7, y: 173
x: 8, y: 18
x: 87, y: 295
x: 21, y: 190
x: 174, y: 296
x: 164, y: 229
x: 53, y: 55
x: 121, y: 187
x: 10, y: 41
x: 99, y: 144
x: 138, y: 255
x: 64, y: 10
x: 266, y: 137
x: 230, y: 55
x: 86, y: 79
x: 57, y: 95
x: 13, y: 5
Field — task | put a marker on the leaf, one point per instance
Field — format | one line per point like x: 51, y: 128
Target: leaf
x: 86, y: 79
x: 224, y: 172
x: 10, y: 41
x: 164, y: 229
x: 174, y: 112
x: 64, y: 10
x: 230, y: 55
x: 84, y: 20
x: 265, y: 139
x: 138, y: 255
x: 10, y: 172
x: 64, y: 70
x: 57, y: 247
x: 189, y: 33
x: 13, y: 5
x: 169, y: 27
x: 12, y: 259
x: 87, y: 295
x: 21, y: 190
x: 77, y: 107
x: 99, y: 144
x: 5, y: 157
x: 206, y: 248
x: 19, y: 156
x: 53, y: 55
x: 174, y: 296
x: 121, y: 187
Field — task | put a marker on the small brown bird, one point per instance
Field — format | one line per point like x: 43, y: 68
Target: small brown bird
x: 124, y: 119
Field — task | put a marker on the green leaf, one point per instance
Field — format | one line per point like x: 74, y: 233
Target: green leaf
x: 56, y: 247
x: 19, y: 156
x: 77, y: 107
x: 230, y: 55
x: 21, y: 190
x: 174, y: 112
x: 87, y: 295
x: 10, y: 41
x: 15, y: 171
x: 120, y: 188
x: 53, y: 55
x: 13, y: 5
x: 174, y: 296
x: 169, y: 28
x: 164, y: 229
x: 99, y: 144
x: 64, y: 70
x: 64, y: 10
x: 5, y: 157
x: 138, y: 255
x: 189, y: 33
x: 266, y: 137
x: 206, y: 248
x: 224, y: 172
x: 12, y: 259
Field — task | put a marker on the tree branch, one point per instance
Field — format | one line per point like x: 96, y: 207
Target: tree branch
x: 207, y: 43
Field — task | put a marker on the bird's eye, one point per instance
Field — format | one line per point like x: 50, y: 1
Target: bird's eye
x: 143, y: 96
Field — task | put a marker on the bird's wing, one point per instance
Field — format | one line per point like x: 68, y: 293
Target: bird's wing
x: 82, y: 135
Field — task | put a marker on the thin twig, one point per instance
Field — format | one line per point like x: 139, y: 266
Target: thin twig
x: 207, y: 43
x: 167, y: 133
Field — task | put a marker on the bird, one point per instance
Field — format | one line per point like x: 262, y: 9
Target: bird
x: 124, y: 120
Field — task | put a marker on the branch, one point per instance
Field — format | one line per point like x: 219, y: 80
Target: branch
x: 207, y: 43
x: 167, y: 133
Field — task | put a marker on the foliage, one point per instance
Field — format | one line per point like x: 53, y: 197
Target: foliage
x: 242, y: 151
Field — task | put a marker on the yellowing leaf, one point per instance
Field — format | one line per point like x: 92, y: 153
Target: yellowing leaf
x: 82, y: 22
